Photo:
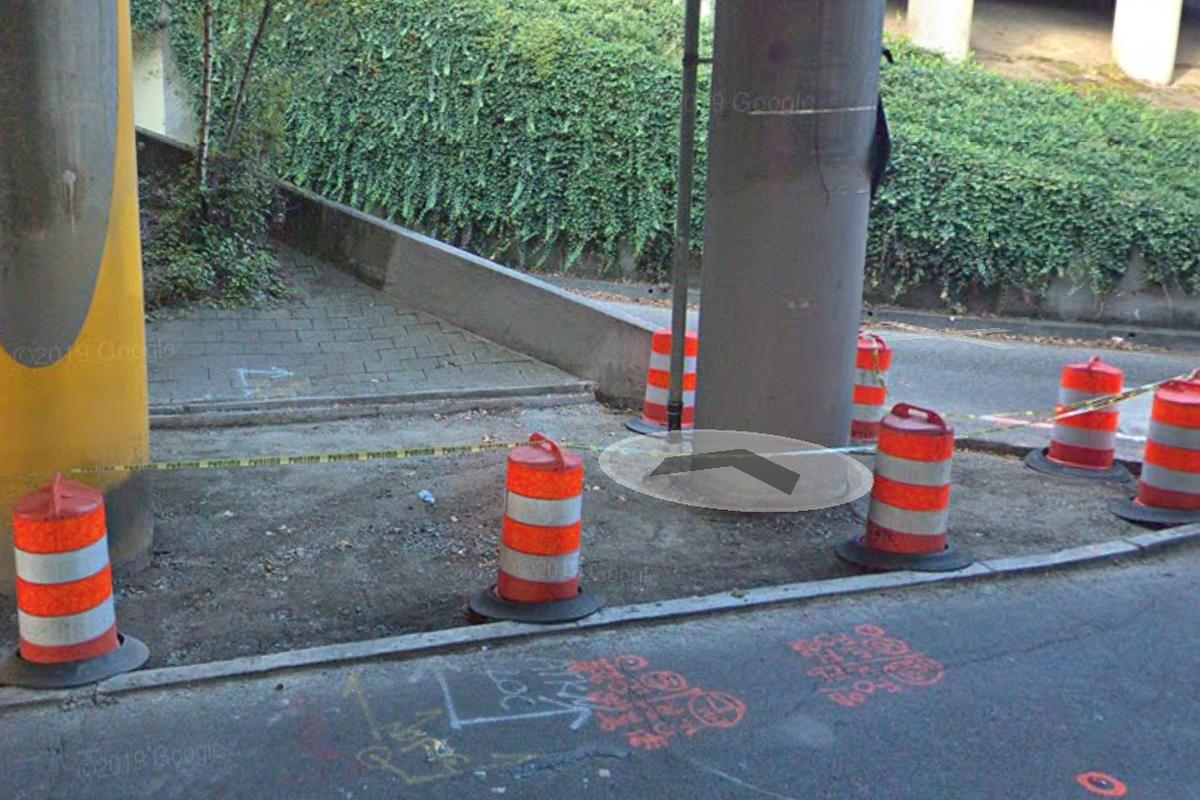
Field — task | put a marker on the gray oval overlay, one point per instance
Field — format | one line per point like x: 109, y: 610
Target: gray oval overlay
x: 58, y: 132
x: 737, y: 471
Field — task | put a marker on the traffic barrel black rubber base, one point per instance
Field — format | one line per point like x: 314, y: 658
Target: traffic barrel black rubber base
x: 16, y: 671
x: 1130, y: 511
x: 1039, y: 461
x: 642, y: 426
x: 949, y: 560
x: 486, y: 606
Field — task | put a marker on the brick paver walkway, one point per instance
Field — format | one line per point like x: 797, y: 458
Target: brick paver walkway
x: 335, y: 337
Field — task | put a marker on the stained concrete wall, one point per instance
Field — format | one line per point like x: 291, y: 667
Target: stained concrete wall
x: 160, y: 100
x: 506, y: 306
x: 1134, y: 301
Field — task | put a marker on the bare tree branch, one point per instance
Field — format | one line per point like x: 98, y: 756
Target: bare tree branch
x: 239, y: 99
x: 205, y: 135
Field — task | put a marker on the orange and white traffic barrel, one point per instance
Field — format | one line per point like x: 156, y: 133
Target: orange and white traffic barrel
x: 540, y: 541
x: 65, y: 616
x: 658, y: 384
x: 1084, y: 445
x: 909, y: 516
x: 1169, y: 487
x: 870, y: 387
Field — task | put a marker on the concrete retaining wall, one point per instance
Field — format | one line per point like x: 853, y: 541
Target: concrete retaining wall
x: 568, y: 331
x: 506, y: 306
x: 1135, y: 302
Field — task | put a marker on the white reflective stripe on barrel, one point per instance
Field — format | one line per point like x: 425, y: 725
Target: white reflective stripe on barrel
x: 866, y: 413
x: 544, y: 513
x: 868, y: 377
x: 914, y: 473
x: 539, y: 569
x: 915, y: 523
x: 659, y: 396
x: 1084, y: 437
x: 49, y: 568
x: 1174, y: 436
x: 1171, y: 480
x: 67, y: 630
x: 662, y: 363
x: 1070, y: 397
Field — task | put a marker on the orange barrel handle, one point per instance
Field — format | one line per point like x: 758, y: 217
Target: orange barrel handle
x: 907, y: 410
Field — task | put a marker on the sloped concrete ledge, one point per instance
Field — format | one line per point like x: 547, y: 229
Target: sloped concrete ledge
x: 610, y: 349
x: 506, y: 306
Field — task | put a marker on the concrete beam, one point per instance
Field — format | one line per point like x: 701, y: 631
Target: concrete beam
x: 943, y: 26
x: 1146, y: 39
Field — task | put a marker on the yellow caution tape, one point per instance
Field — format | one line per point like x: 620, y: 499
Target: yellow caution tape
x: 1074, y: 409
x: 292, y: 461
x: 467, y: 449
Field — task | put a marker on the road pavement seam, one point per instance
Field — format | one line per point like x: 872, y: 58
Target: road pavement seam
x: 437, y: 642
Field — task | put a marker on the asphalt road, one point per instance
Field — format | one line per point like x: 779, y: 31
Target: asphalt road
x: 965, y: 377
x: 1015, y: 688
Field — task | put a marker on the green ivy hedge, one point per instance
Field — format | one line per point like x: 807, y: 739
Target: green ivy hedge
x: 999, y: 183
x: 518, y: 127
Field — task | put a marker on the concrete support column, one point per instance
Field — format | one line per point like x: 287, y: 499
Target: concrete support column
x: 72, y: 326
x: 795, y: 84
x: 1146, y: 38
x: 943, y: 26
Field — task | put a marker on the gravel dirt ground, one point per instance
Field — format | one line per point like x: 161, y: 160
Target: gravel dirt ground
x: 259, y: 560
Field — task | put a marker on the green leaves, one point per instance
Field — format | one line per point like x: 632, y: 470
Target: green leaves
x: 530, y: 127
x: 999, y: 184
x: 546, y: 122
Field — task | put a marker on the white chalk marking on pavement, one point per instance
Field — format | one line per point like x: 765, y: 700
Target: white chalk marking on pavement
x: 736, y: 781
x: 451, y: 712
x: 582, y: 712
x: 274, y: 374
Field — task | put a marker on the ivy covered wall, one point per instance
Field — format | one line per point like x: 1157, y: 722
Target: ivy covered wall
x: 535, y: 129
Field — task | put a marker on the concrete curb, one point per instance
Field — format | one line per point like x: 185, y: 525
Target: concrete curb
x: 1180, y: 339
x: 235, y: 413
x: 421, y: 644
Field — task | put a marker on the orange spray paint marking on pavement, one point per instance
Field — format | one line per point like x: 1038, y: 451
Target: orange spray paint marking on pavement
x: 652, y: 707
x: 1102, y: 785
x: 854, y: 667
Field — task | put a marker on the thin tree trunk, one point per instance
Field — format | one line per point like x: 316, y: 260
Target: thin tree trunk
x: 203, y: 140
x: 239, y: 99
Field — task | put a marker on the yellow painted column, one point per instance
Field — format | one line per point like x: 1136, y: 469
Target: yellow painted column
x: 72, y: 337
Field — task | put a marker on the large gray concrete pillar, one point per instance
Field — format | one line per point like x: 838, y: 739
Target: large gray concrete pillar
x: 795, y: 84
x: 943, y: 26
x: 1146, y: 39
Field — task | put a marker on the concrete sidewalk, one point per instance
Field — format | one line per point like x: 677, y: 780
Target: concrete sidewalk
x: 1061, y: 686
x: 335, y: 337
